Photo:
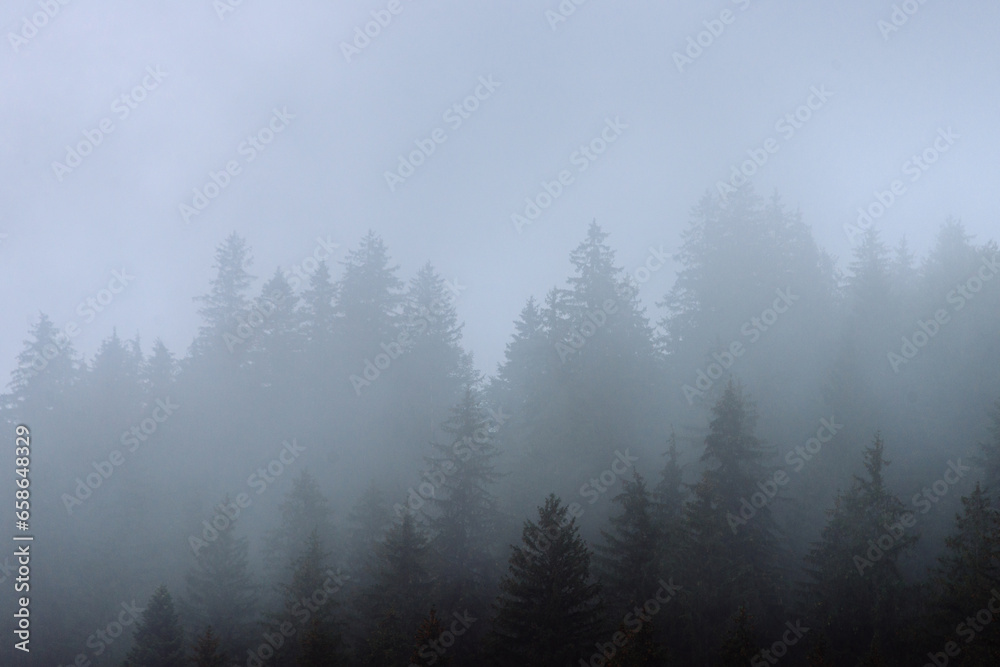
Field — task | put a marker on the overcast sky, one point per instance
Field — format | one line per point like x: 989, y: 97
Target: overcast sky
x: 198, y: 80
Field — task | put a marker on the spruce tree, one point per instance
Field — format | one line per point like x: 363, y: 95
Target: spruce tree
x: 312, y: 607
x: 725, y: 542
x: 967, y: 576
x: 206, y: 652
x: 855, y: 593
x: 399, y: 596
x: 158, y: 639
x: 629, y: 561
x: 220, y: 592
x: 226, y: 302
x: 549, y: 609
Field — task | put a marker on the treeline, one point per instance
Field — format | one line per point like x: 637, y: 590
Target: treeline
x: 324, y: 478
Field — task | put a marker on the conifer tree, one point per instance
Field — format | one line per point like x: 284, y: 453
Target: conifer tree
x: 308, y: 600
x: 724, y: 540
x: 629, y: 560
x: 226, y: 302
x: 549, y: 607
x: 968, y: 575
x: 400, y: 594
x: 206, y: 651
x: 220, y: 592
x: 159, y: 639
x: 855, y: 593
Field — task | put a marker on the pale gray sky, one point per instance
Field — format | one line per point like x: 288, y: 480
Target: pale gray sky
x: 678, y: 134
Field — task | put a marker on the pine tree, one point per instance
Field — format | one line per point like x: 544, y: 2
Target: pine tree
x: 206, y: 651
x: 277, y: 340
x: 309, y: 601
x: 629, y: 561
x: 226, y: 303
x: 399, y: 595
x: 368, y: 297
x: 159, y: 639
x: 424, y: 654
x: 464, y: 507
x: 724, y: 541
x: 304, y: 510
x: 967, y: 576
x: 739, y: 645
x: 369, y: 519
x: 159, y: 372
x: 220, y: 592
x: 989, y: 458
x: 318, y: 309
x: 47, y: 371
x: 855, y: 593
x: 549, y: 607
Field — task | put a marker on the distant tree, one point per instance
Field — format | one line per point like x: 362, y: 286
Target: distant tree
x: 368, y: 521
x: 368, y: 297
x: 629, y: 561
x: 159, y: 639
x: 206, y: 651
x: 740, y: 643
x: 226, y: 302
x: 159, y: 372
x: 277, y: 338
x: 220, y: 591
x: 989, y: 457
x: 723, y: 541
x: 549, y: 606
x: 400, y: 594
x: 318, y: 310
x: 48, y: 370
x: 855, y: 593
x: 304, y: 510
x: 424, y: 652
x: 967, y: 575
x: 309, y: 604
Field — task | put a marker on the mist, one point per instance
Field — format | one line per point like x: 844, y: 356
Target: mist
x: 399, y: 333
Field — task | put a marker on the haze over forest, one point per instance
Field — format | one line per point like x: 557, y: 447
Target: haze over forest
x: 456, y: 334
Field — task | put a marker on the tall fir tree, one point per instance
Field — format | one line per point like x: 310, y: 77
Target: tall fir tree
x: 855, y: 594
x: 159, y: 638
x: 549, y: 608
x: 221, y: 593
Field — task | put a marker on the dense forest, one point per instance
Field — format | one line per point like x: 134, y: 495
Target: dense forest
x: 799, y: 463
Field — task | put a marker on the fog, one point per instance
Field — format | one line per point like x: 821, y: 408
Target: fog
x: 396, y: 332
